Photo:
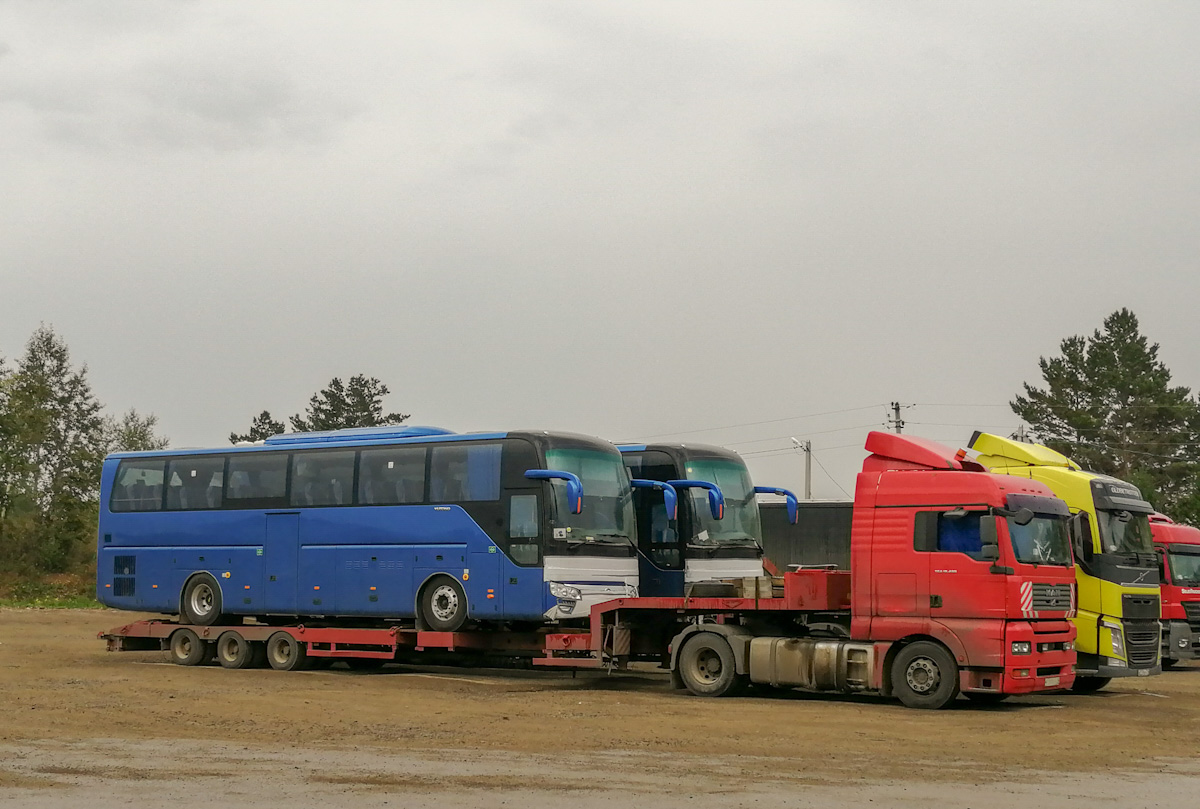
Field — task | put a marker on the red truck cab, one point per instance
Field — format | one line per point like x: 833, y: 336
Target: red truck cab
x: 977, y: 563
x: 1178, y: 550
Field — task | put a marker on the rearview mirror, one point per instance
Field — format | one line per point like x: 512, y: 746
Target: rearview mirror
x: 793, y: 503
x: 990, y: 553
x: 1023, y: 516
x: 574, y: 485
x: 716, y: 500
x: 670, y: 496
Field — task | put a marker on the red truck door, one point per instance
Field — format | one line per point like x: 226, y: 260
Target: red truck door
x: 961, y: 584
x: 901, y: 576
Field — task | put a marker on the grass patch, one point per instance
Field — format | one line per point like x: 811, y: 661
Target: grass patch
x: 59, y: 591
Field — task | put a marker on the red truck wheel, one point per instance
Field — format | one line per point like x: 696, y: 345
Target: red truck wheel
x: 285, y: 653
x: 707, y: 667
x: 235, y: 652
x: 924, y: 675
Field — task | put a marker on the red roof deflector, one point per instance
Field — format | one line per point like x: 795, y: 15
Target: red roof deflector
x: 913, y: 450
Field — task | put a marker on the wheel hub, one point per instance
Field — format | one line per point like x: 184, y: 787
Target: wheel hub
x: 923, y: 675
x: 202, y: 600
x: 708, y: 666
x: 444, y: 602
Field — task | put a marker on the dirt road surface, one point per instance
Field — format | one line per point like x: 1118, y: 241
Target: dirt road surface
x: 80, y: 727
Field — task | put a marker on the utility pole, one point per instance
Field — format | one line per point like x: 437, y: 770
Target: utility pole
x: 806, y: 447
x: 897, y: 422
x: 1020, y: 436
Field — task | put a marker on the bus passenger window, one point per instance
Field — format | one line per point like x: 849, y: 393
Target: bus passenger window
x: 322, y: 478
x: 138, y: 486
x: 195, y: 482
x: 391, y: 476
x: 256, y: 480
x: 465, y: 473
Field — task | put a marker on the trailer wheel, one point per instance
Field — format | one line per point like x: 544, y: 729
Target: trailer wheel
x: 707, y: 667
x: 924, y: 675
x: 187, y: 649
x: 443, y: 605
x: 285, y: 653
x: 201, y: 601
x: 235, y: 652
x: 1089, y: 685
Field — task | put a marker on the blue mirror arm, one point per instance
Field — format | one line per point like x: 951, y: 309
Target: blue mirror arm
x: 670, y: 496
x: 716, y: 500
x: 574, y: 485
x: 793, y: 503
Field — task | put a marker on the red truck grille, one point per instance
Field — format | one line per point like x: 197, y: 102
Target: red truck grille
x: 1191, y: 610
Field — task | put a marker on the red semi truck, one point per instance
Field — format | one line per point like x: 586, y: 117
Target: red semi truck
x: 1178, y: 549
x: 960, y: 581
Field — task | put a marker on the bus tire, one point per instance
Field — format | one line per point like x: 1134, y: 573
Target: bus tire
x: 187, y: 649
x: 707, y: 667
x: 200, y: 604
x: 235, y: 652
x: 443, y: 604
x: 924, y: 675
x: 1089, y: 685
x: 285, y: 653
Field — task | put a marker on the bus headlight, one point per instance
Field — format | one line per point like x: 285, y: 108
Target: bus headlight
x: 1022, y: 647
x: 565, y: 591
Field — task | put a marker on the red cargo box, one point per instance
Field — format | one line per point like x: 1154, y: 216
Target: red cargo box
x: 813, y: 590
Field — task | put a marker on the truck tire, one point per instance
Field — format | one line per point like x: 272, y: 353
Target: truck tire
x: 187, y: 649
x: 1089, y: 685
x: 924, y: 675
x: 707, y: 668
x: 235, y: 652
x: 200, y: 603
x: 285, y: 653
x: 443, y: 606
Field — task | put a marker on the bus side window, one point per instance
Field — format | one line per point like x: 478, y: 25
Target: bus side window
x: 465, y: 473
x: 257, y: 480
x: 138, y: 486
x: 322, y: 478
x: 195, y: 483
x: 523, y: 524
x: 391, y: 476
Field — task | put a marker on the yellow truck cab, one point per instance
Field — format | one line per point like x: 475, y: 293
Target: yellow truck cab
x: 1116, y: 572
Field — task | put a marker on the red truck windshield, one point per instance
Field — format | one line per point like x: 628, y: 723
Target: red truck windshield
x: 1044, y: 541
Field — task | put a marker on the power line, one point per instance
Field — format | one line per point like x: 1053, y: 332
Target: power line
x: 767, y: 421
x: 826, y: 471
x: 804, y: 433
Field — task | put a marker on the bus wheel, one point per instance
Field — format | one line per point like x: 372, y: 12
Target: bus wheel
x: 443, y: 605
x: 1089, y: 685
x: 201, y: 601
x: 235, y: 652
x: 285, y: 653
x: 924, y: 675
x: 707, y: 667
x: 188, y: 650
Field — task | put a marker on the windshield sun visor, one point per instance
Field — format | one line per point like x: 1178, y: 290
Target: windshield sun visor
x: 1038, y: 504
x: 1115, y: 495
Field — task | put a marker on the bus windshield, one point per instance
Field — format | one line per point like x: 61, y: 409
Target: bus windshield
x: 607, y: 515
x: 740, y: 525
x: 1044, y: 541
x: 1185, y: 568
x: 1124, y: 532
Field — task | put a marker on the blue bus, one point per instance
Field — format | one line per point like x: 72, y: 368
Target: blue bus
x: 382, y: 523
x: 710, y: 532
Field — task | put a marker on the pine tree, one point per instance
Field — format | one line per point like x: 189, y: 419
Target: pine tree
x: 133, y: 432
x: 263, y: 426
x: 357, y: 404
x: 1108, y: 404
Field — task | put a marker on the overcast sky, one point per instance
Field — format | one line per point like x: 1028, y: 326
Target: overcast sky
x: 680, y: 220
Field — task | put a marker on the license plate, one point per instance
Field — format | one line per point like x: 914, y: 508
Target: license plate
x: 1051, y: 681
x: 1143, y: 672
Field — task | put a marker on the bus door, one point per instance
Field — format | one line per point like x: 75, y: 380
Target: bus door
x: 521, y: 575
x: 280, y: 556
x: 660, y: 552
